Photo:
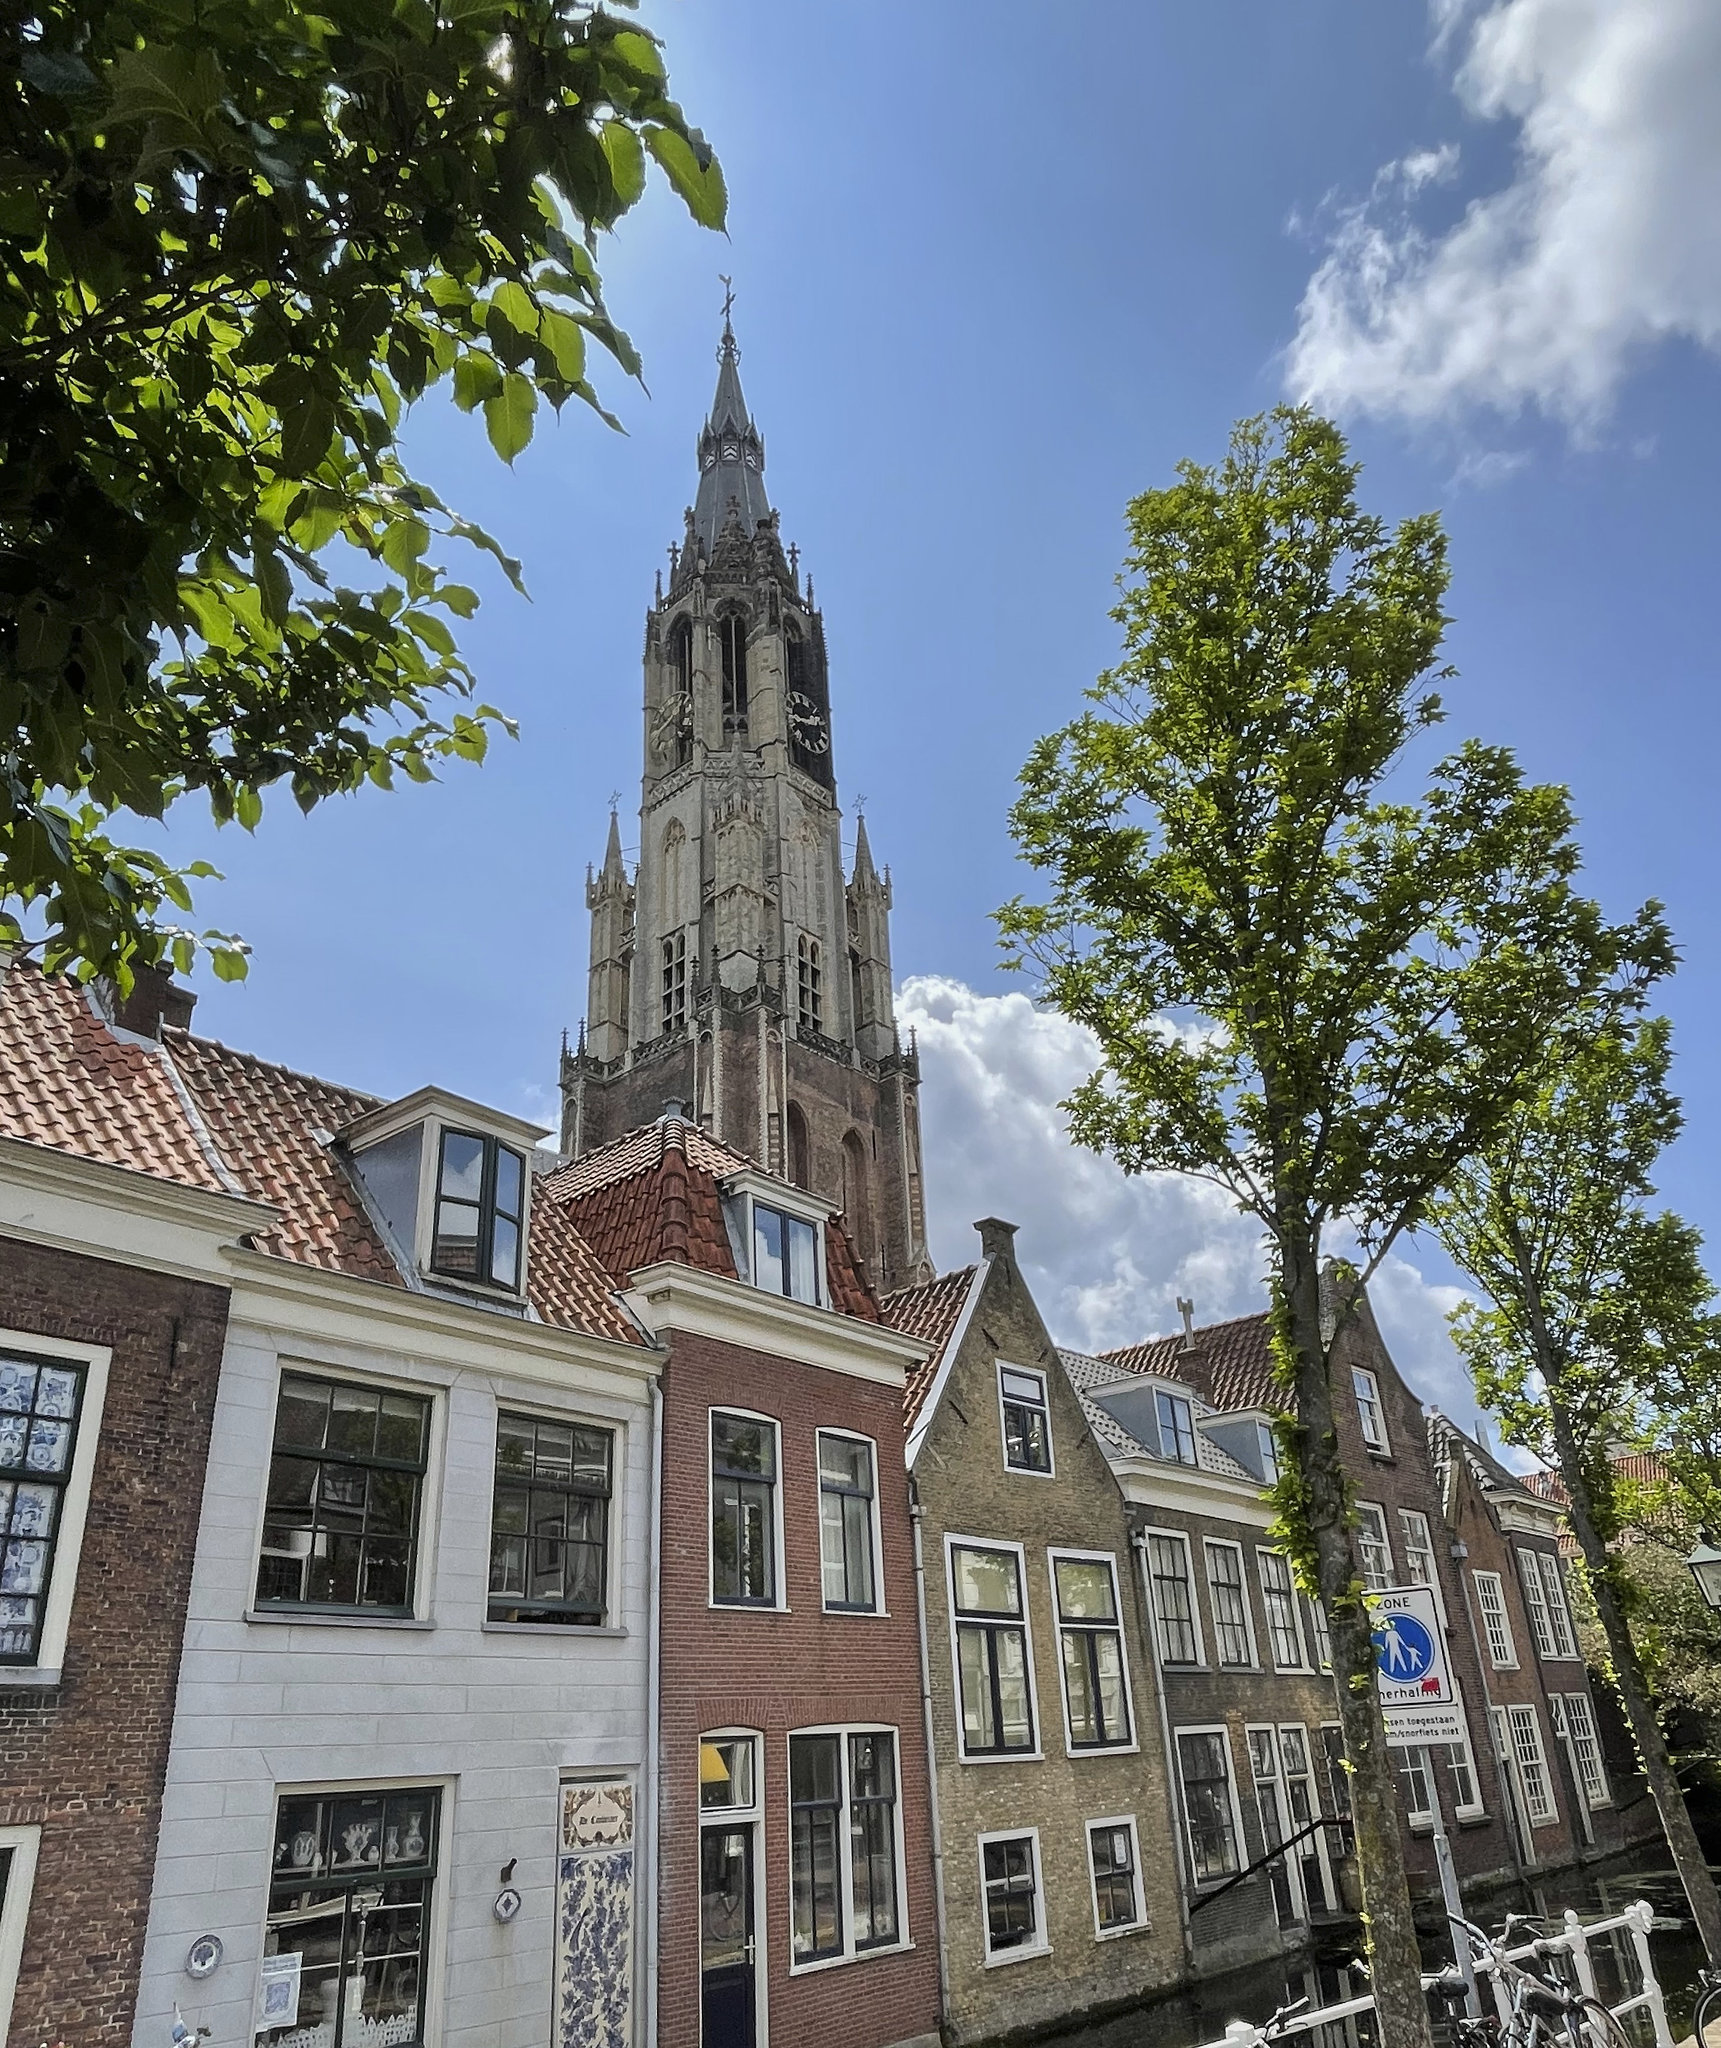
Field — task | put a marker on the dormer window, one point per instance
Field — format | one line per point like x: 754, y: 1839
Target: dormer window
x: 785, y: 1254
x: 480, y: 1206
x: 1176, y: 1427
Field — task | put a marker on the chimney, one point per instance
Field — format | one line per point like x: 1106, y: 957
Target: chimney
x: 997, y: 1239
x: 153, y: 1002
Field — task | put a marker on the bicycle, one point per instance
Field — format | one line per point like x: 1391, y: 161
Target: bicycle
x: 1541, y: 2012
x: 1708, y: 2013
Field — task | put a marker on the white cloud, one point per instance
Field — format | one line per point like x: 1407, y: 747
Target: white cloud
x: 1606, y: 240
x: 1107, y: 1255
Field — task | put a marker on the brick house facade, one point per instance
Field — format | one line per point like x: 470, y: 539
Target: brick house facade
x: 792, y: 1720
x: 113, y: 1311
x: 1059, y: 1898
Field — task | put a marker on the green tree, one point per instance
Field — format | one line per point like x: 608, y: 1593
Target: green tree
x: 236, y: 238
x: 1321, y: 997
x: 1588, y: 1299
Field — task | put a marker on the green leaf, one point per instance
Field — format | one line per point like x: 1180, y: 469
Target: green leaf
x: 514, y: 303
x: 229, y: 962
x: 307, y: 428
x: 639, y: 53
x: 403, y: 543
x: 178, y: 88
x: 248, y: 806
x: 566, y: 340
x: 625, y: 155
x: 508, y: 415
x: 700, y: 183
x: 476, y: 378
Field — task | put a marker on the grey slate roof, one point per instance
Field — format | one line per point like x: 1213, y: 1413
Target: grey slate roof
x: 1088, y: 1374
x: 733, y: 484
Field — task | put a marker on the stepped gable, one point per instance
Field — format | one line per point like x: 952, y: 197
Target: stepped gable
x: 1238, y: 1353
x: 70, y: 1084
x: 930, y: 1312
x: 273, y: 1128
x: 656, y: 1193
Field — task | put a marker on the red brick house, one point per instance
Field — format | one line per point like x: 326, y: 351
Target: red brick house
x: 797, y: 1898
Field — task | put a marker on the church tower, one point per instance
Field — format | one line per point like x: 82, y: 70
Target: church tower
x: 736, y: 971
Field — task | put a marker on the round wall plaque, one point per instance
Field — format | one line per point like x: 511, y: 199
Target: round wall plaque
x: 204, y: 1956
x: 507, y: 1904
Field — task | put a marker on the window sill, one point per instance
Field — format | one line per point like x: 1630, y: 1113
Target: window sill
x: 1029, y: 1472
x: 1006, y: 1756
x: 1076, y: 1751
x: 857, y: 1614
x: 549, y: 1628
x: 864, y: 1955
x: 1123, y: 1933
x: 1380, y: 1454
x: 31, y: 1677
x: 321, y: 1617
x: 1018, y: 1955
x: 745, y: 1607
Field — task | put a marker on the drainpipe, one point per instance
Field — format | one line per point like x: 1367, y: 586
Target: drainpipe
x: 914, y: 1513
x: 653, y: 1709
x: 1138, y: 1543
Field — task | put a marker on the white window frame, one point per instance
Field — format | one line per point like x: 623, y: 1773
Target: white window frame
x: 1597, y: 1792
x: 1238, y: 1836
x: 853, y: 1436
x: 1042, y: 1947
x: 752, y: 1817
x: 1421, y: 1818
x: 1545, y: 1601
x: 953, y: 1543
x: 24, y: 1842
x: 1374, y: 1507
x: 1381, y: 1445
x: 1315, y: 1759
x: 845, y: 1861
x: 1028, y: 1372
x: 779, y: 1605
x: 1263, y: 1551
x: 1540, y: 1815
x: 96, y: 1360
x: 1109, y: 1559
x: 1174, y: 1663
x: 1559, y: 1608
x: 1408, y: 1519
x: 1496, y: 1620
x: 1141, y: 1924
x: 1209, y: 1544
x: 743, y: 1190
x: 1320, y: 1636
x: 436, y: 1393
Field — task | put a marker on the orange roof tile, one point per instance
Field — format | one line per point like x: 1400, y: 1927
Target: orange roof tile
x: 931, y: 1313
x: 69, y: 1083
x: 1237, y: 1351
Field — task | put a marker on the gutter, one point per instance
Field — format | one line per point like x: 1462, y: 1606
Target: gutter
x: 914, y: 1515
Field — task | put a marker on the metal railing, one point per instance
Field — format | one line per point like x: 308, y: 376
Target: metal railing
x: 1575, y: 1939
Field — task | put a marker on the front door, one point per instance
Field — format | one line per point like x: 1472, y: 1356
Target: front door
x: 726, y: 1984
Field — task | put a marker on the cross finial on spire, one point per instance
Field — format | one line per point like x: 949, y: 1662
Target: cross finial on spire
x: 728, y: 284
x: 615, y: 801
x: 860, y: 807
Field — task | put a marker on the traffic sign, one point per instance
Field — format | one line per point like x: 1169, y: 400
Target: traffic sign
x: 1411, y: 1727
x: 1410, y: 1648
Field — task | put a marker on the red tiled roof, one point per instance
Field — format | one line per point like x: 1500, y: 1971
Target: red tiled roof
x: 1238, y: 1353
x: 930, y: 1313
x: 1643, y: 1466
x: 654, y: 1194
x: 68, y: 1083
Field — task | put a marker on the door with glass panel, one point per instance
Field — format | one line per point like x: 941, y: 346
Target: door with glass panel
x: 1264, y: 1760
x: 1303, y: 1804
x: 728, y: 1978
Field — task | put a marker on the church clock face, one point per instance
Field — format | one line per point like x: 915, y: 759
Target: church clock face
x: 807, y: 727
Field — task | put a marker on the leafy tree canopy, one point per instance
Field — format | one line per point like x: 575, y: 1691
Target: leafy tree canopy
x: 236, y: 238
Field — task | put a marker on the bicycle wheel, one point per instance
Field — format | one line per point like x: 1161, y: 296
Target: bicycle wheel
x: 1591, y: 2023
x: 1708, y: 2015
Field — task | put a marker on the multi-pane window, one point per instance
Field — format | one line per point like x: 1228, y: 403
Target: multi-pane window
x: 1374, y: 1547
x: 1322, y: 1635
x: 846, y: 1522
x: 346, y: 1945
x: 991, y: 1650
x: 1496, y: 1623
x: 480, y: 1210
x: 1545, y: 1597
x: 810, y: 983
x: 1369, y: 1411
x: 1173, y: 1599
x: 1176, y: 1427
x: 1574, y: 1718
x: 785, y: 1254
x: 341, y: 1525
x: 1529, y: 1570
x: 743, y: 1510
x: 1415, y: 1766
x: 1231, y: 1640
x: 674, y: 984
x: 549, y: 1527
x: 842, y: 1790
x: 1112, y: 1860
x: 1340, y: 1835
x: 40, y: 1402
x: 1095, y: 1692
x: 1208, y: 1812
x: 1526, y: 1732
x: 1027, y: 1420
x: 1279, y: 1597
x: 1010, y: 1873
x: 1418, y: 1547
x: 1268, y: 1447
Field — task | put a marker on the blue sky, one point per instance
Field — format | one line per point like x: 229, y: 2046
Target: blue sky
x: 997, y: 269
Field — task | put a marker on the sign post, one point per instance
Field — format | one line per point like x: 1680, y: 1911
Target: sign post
x: 1421, y: 1707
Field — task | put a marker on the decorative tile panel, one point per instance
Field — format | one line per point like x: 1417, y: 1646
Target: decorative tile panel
x: 594, y: 1915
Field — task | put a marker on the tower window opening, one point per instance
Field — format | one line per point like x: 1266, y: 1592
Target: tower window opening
x: 732, y: 637
x: 681, y: 684
x: 675, y: 982
x: 810, y: 981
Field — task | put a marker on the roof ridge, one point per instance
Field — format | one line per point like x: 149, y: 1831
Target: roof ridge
x: 255, y: 1059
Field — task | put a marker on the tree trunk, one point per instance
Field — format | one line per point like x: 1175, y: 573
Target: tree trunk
x: 1633, y: 1688
x: 1394, y: 1959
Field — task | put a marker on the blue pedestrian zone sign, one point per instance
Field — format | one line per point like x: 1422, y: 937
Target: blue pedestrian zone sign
x: 1410, y: 1648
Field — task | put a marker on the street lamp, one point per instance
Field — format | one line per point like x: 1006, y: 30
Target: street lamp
x: 1705, y: 1563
